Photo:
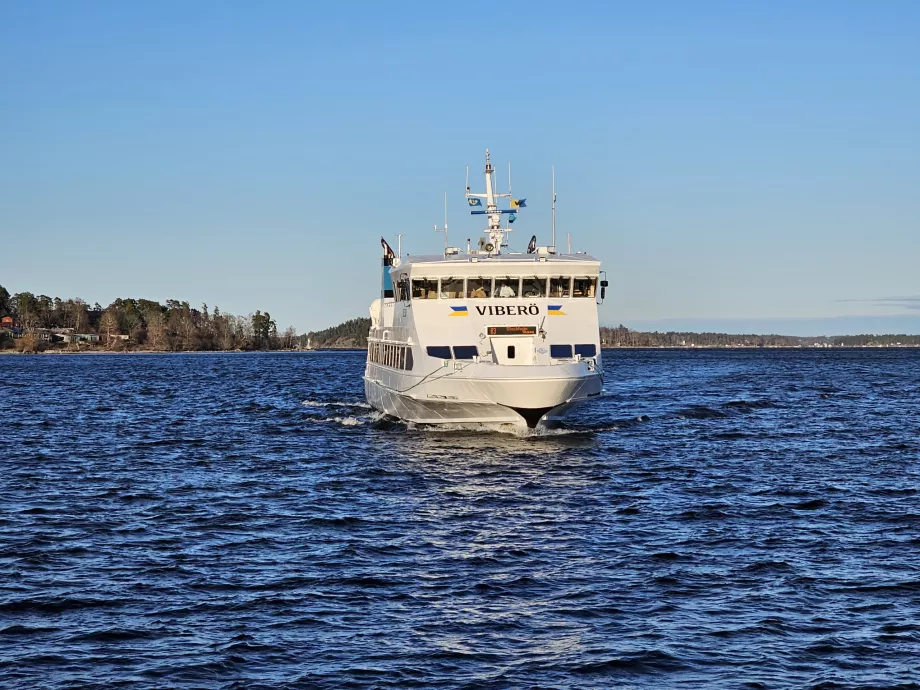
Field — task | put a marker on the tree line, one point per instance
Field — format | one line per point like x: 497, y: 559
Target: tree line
x: 177, y: 326
x: 621, y: 336
x: 353, y: 334
x: 350, y: 334
x: 173, y: 326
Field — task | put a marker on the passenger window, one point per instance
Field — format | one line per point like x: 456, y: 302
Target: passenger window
x: 560, y: 351
x: 586, y: 350
x: 465, y: 351
x: 511, y: 352
x: 408, y: 359
x: 423, y: 288
x: 507, y: 287
x: 478, y: 287
x: 583, y: 287
x: 560, y: 287
x: 439, y: 351
x: 533, y: 287
x: 451, y: 288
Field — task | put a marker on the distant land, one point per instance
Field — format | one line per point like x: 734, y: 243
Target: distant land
x: 34, y: 323
x: 30, y: 323
x: 353, y: 334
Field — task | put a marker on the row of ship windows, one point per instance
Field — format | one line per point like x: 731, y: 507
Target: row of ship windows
x: 502, y: 287
x: 565, y: 351
x: 390, y: 355
x: 470, y: 351
x: 400, y: 356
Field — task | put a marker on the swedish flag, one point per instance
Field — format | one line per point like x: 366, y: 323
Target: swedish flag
x: 474, y: 202
x: 518, y: 203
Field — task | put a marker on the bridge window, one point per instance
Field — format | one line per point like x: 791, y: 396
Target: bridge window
x: 584, y: 287
x: 451, y: 288
x: 478, y: 287
x: 560, y: 287
x: 423, y: 288
x: 465, y: 351
x: 402, y: 288
x: 560, y: 351
x: 439, y: 351
x: 589, y: 350
x: 533, y: 287
x: 511, y: 352
x: 507, y: 287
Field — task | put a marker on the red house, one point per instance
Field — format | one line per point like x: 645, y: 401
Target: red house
x: 6, y: 322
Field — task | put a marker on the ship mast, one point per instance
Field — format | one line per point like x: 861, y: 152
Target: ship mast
x: 495, y: 231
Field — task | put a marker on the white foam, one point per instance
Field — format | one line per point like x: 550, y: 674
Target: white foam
x: 505, y: 428
x: 317, y: 403
x: 349, y: 421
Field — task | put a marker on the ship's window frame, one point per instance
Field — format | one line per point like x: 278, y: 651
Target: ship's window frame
x: 506, y: 281
x: 438, y: 351
x: 591, y: 286
x: 586, y: 350
x: 560, y: 351
x: 465, y: 351
x: 543, y: 279
x: 443, y: 282
x: 556, y: 282
x: 424, y: 288
x: 483, y: 283
x: 511, y: 352
x: 401, y: 286
x: 408, y: 361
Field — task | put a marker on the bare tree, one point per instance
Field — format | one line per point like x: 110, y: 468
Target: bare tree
x: 108, y: 325
x: 156, y: 330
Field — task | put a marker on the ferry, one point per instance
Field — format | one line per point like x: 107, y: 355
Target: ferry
x: 486, y: 336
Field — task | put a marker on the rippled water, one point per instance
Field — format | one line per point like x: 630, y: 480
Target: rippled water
x: 718, y: 519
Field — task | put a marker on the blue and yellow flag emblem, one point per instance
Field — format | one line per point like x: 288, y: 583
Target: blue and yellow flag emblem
x: 474, y: 202
x: 554, y: 310
x: 459, y: 311
x: 518, y: 203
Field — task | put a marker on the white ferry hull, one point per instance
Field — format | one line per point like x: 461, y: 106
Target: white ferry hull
x: 520, y: 402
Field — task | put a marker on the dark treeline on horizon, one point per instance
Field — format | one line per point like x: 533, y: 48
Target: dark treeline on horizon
x: 129, y: 322
x: 353, y: 333
x: 621, y: 336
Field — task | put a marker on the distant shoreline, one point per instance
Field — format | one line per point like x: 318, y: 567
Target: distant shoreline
x: 361, y: 349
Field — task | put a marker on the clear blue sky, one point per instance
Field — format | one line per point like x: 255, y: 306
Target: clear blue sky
x: 741, y: 166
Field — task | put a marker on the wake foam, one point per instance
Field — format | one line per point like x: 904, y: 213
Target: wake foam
x: 350, y: 420
x: 319, y: 403
x: 518, y: 431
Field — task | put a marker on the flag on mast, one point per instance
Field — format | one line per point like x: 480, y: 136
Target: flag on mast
x: 388, y: 253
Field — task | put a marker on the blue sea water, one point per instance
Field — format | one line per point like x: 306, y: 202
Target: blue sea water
x: 718, y: 519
